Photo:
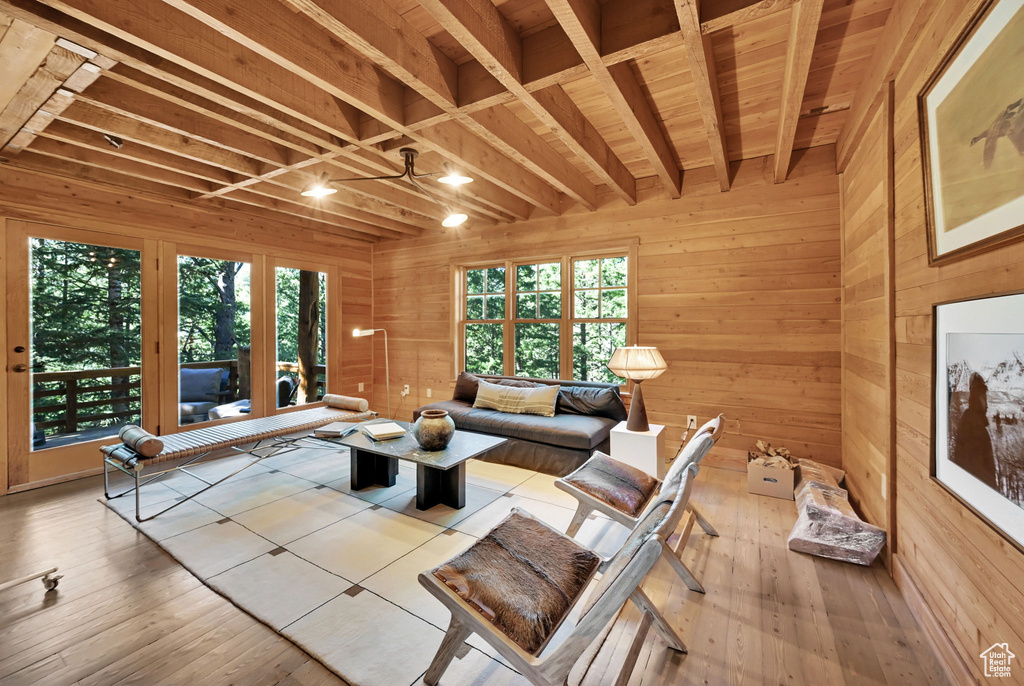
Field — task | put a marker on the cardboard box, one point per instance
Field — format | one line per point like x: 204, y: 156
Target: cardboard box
x: 771, y: 481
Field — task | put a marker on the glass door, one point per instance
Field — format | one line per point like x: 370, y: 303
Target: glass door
x: 75, y: 330
x: 214, y: 339
x: 303, y: 339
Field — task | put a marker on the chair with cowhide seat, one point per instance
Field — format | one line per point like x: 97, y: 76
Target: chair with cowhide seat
x: 625, y: 493
x: 516, y: 586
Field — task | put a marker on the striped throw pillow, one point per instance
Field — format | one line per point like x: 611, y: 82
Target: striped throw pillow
x: 514, y: 400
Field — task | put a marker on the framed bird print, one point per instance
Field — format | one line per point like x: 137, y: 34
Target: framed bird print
x: 972, y: 123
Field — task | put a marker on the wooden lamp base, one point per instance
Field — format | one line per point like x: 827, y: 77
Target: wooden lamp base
x: 637, y: 420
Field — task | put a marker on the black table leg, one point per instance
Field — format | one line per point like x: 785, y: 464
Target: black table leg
x: 368, y: 469
x: 440, y: 486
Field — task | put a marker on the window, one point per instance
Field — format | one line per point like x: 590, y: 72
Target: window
x: 599, y: 319
x: 545, y: 318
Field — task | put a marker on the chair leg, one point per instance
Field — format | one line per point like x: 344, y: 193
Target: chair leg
x: 681, y: 569
x: 582, y: 512
x: 702, y: 521
x: 453, y: 640
x: 661, y: 624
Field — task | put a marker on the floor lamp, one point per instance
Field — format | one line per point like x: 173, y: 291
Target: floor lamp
x: 360, y: 333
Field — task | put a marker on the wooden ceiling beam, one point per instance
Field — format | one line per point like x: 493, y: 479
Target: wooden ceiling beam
x: 220, y: 70
x: 58, y: 64
x: 140, y: 187
x: 723, y: 14
x: 484, y: 32
x: 581, y: 20
x: 268, y: 198
x: 117, y: 97
x: 296, y: 44
x: 371, y: 29
x: 129, y: 129
x: 22, y: 49
x: 69, y: 132
x: 100, y: 159
x: 803, y: 30
x: 703, y: 73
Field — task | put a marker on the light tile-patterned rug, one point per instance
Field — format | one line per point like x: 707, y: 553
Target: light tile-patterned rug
x: 335, y: 570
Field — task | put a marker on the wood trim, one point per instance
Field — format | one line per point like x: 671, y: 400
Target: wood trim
x: 803, y: 31
x: 952, y: 662
x: 4, y: 293
x: 889, y: 278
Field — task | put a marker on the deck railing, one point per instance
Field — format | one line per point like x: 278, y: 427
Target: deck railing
x: 73, y: 394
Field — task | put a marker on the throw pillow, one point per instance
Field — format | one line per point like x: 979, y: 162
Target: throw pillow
x: 515, y: 400
x: 590, y: 401
x: 466, y: 384
x: 199, y: 385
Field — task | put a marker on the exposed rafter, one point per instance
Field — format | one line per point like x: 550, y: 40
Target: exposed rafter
x: 803, y: 30
x: 481, y: 29
x: 371, y: 28
x: 581, y: 20
x: 701, y: 58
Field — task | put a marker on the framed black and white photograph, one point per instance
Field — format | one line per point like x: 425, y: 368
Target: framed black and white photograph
x: 978, y: 451
x: 972, y: 128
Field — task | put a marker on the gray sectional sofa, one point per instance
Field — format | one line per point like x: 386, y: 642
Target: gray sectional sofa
x: 584, y: 417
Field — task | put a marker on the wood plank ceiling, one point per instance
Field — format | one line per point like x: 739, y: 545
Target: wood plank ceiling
x: 549, y: 104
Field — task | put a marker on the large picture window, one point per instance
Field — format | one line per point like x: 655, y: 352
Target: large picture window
x: 549, y: 318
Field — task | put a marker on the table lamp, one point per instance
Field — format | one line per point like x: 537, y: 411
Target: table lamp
x: 637, y: 363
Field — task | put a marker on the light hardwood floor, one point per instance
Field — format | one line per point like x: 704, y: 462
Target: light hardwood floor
x: 126, y: 613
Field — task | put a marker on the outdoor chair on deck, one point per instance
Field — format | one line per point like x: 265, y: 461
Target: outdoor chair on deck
x: 624, y: 493
x: 516, y: 585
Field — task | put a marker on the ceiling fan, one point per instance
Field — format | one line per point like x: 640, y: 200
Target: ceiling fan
x: 324, y: 185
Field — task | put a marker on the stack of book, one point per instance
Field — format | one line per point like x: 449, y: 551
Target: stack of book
x: 383, y: 431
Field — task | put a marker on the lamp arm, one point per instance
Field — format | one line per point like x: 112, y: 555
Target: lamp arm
x: 387, y: 371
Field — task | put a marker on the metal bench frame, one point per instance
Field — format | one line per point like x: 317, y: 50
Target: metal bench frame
x: 125, y: 460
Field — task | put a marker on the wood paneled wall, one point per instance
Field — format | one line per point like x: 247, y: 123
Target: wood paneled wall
x: 48, y: 199
x: 868, y: 340
x: 965, y: 579
x: 739, y: 290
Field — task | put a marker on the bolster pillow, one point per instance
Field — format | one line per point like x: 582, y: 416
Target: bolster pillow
x: 347, y: 402
x: 140, y: 440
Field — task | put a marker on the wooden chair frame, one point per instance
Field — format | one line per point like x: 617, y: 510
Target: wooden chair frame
x: 554, y: 669
x: 671, y: 552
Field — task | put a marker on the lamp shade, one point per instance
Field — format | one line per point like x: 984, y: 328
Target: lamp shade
x: 637, y: 363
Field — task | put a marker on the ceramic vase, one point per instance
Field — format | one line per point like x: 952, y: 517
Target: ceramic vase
x: 433, y: 430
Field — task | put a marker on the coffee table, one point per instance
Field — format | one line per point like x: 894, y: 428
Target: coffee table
x: 440, y: 475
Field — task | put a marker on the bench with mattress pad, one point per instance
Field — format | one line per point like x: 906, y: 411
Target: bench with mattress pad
x: 140, y: 449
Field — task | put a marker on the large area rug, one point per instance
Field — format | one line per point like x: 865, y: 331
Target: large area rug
x: 335, y: 570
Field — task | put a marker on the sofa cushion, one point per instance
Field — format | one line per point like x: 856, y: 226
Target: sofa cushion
x: 602, y: 402
x: 574, y: 431
x: 540, y: 401
x: 466, y: 386
x: 523, y: 577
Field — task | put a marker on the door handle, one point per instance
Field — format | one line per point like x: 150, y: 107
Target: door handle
x: 20, y: 368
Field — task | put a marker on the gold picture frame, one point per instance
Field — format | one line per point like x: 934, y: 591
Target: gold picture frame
x: 972, y: 137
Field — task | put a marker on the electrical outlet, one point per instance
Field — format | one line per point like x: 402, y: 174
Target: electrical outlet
x: 360, y: 386
x: 405, y: 390
x: 691, y: 421
x: 430, y: 393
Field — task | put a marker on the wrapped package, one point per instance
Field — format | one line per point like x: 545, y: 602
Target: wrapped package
x: 816, y: 475
x: 828, y: 527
